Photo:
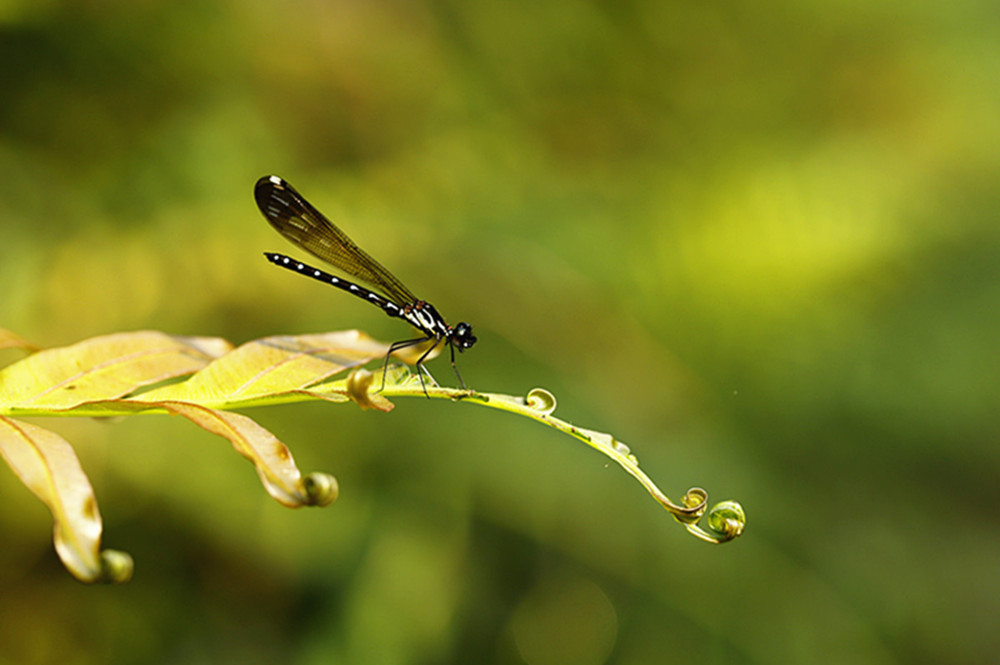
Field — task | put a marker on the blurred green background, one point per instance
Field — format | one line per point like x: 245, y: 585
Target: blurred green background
x: 756, y: 242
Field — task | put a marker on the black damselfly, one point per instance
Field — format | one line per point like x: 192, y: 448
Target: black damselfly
x: 297, y: 220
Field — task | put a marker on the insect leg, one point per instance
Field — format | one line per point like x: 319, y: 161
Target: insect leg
x: 396, y: 346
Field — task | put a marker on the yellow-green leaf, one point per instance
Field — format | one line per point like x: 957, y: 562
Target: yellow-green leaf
x: 47, y: 465
x: 9, y: 340
x: 270, y: 367
x: 274, y: 462
x: 101, y: 368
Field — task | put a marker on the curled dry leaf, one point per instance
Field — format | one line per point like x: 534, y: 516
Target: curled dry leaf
x: 272, y: 459
x: 47, y: 466
x: 105, y: 376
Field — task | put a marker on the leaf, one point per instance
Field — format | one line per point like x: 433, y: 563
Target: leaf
x: 271, y: 457
x: 101, y: 368
x: 265, y: 369
x: 46, y: 464
x: 9, y: 340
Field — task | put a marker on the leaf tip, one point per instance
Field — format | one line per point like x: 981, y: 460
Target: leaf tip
x: 725, y: 521
x: 321, y: 489
x: 116, y: 567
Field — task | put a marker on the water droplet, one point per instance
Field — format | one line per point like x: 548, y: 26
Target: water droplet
x: 623, y: 449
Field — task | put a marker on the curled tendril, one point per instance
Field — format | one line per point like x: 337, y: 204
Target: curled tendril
x: 322, y: 489
x: 726, y: 520
x: 116, y: 567
x: 541, y: 401
x: 692, y: 507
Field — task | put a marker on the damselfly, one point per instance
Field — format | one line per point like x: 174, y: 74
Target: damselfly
x: 297, y: 220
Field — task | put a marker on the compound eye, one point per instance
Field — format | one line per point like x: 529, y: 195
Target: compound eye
x: 463, y: 333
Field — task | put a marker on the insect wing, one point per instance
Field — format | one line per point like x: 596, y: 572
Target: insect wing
x: 296, y: 219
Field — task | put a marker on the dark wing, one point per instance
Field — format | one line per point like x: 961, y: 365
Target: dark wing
x: 297, y: 220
